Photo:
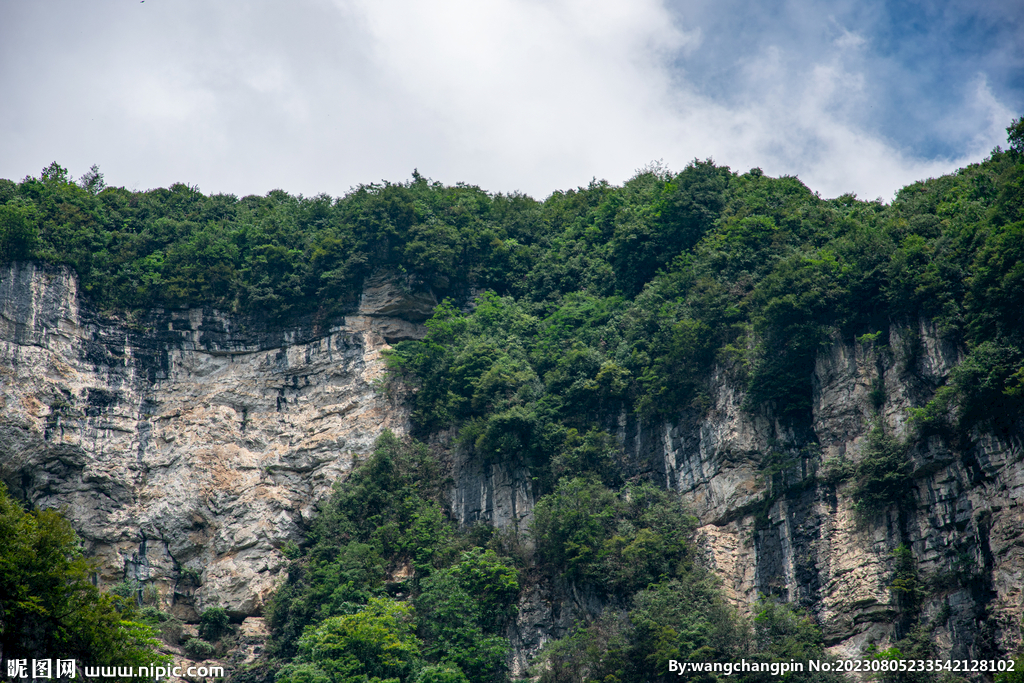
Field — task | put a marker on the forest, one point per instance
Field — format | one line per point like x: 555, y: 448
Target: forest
x: 556, y: 315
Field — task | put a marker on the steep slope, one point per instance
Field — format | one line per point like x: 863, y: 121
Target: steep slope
x: 834, y: 387
x: 186, y: 448
x: 780, y: 509
x: 188, y: 453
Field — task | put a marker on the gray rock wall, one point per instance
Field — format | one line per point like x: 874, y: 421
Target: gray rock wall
x: 790, y: 532
x: 187, y: 445
x: 195, y: 444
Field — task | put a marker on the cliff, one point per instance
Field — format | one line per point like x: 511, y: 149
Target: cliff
x: 188, y: 447
x: 778, y: 520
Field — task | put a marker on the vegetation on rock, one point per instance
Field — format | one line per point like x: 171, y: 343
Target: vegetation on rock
x: 594, y: 303
x: 388, y: 586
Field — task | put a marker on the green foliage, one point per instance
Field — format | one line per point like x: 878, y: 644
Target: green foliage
x: 684, y: 619
x: 187, y: 576
x: 906, y: 586
x: 619, y: 542
x: 655, y: 220
x: 290, y: 550
x: 169, y: 627
x: 493, y: 584
x: 597, y: 651
x: 388, y: 509
x: 634, y: 545
x: 92, y: 180
x: 198, y: 649
x: 128, y: 589
x: 985, y: 386
x: 451, y: 621
x: 1015, y: 676
x: 596, y: 303
x: 18, y: 232
x: 784, y: 633
x: 918, y: 644
x: 48, y: 604
x: 1015, y: 135
x: 275, y: 256
x: 771, y: 276
x: 213, y: 623
x: 377, y: 642
x: 604, y: 297
x: 596, y: 452
x: 391, y: 514
x: 883, y: 475
x: 442, y: 673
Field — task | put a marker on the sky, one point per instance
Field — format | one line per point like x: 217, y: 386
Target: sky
x: 320, y: 96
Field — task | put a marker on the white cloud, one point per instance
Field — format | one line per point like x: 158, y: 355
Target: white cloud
x: 848, y: 40
x: 509, y: 94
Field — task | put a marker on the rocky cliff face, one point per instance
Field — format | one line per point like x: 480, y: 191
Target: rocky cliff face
x: 776, y: 519
x: 190, y: 446
x: 777, y: 522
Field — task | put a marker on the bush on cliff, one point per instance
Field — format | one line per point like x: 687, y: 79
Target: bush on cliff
x: 387, y: 534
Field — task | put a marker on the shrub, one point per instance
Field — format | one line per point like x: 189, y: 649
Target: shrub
x: 442, y: 673
x: 619, y: 542
x: 883, y: 476
x: 171, y: 631
x: 49, y: 604
x: 198, y: 649
x: 188, y: 577
x: 213, y: 623
x: 377, y: 641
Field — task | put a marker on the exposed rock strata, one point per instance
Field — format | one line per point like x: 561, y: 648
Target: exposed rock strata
x: 788, y: 531
x: 194, y: 447
x: 193, y: 444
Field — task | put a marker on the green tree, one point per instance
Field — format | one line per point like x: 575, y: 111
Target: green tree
x: 377, y: 643
x: 1015, y: 136
x: 92, y: 180
x: 213, y: 623
x: 461, y: 610
x: 442, y: 673
x: 883, y: 475
x: 19, y: 233
x: 48, y: 605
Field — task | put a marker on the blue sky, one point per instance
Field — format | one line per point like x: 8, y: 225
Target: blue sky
x: 318, y: 96
x: 922, y: 62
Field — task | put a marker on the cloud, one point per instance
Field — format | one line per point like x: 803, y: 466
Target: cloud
x: 553, y: 92
x: 320, y: 95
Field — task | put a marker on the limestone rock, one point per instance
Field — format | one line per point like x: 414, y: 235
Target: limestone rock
x: 191, y: 448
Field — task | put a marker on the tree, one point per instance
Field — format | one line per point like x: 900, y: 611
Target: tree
x: 213, y: 624
x: 54, y: 173
x: 1015, y: 136
x: 377, y: 642
x: 48, y: 605
x: 18, y: 232
x: 460, y: 605
x: 92, y: 180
